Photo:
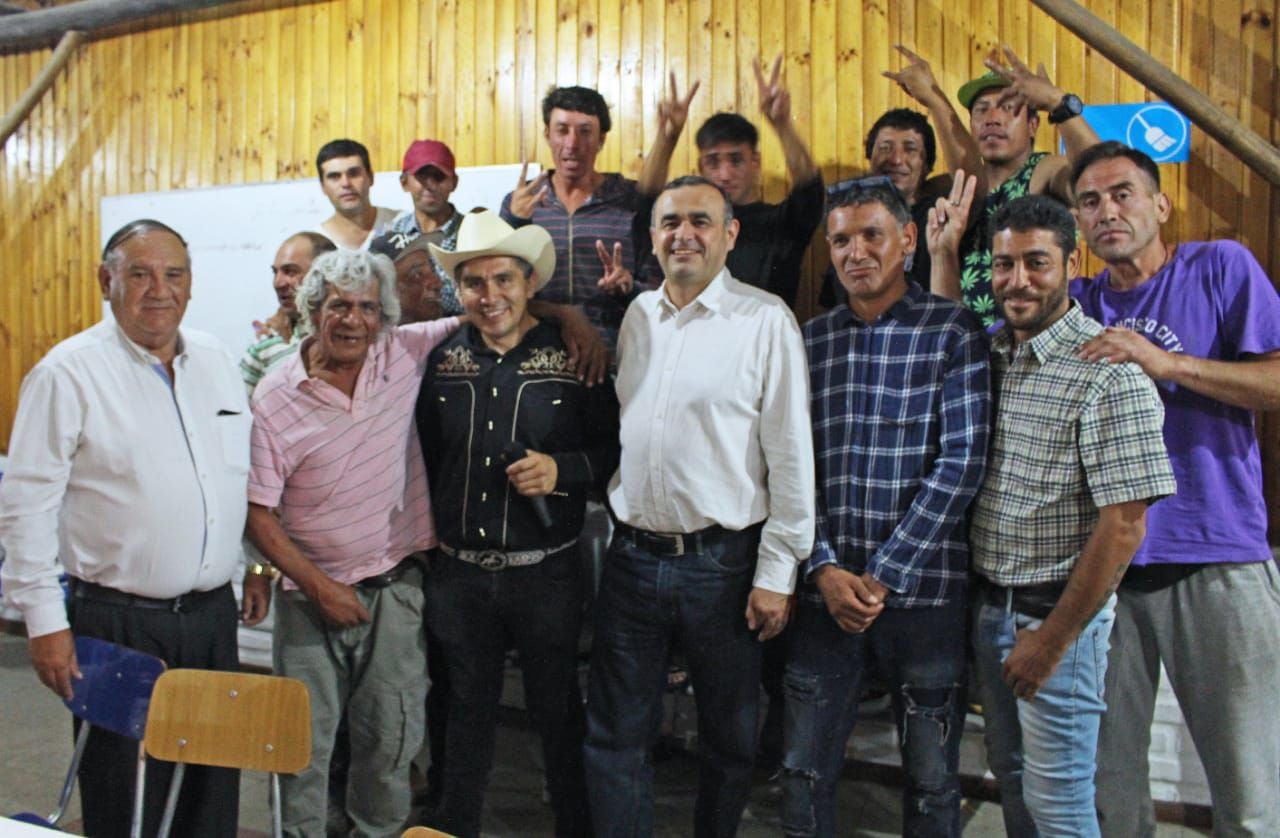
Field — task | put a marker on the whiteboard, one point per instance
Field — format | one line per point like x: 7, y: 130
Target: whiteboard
x: 234, y: 232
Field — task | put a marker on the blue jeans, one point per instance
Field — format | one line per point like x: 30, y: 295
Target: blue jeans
x: 647, y: 605
x: 472, y: 611
x: 1043, y: 751
x: 920, y: 652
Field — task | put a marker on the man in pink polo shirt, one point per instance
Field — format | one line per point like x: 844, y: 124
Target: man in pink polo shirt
x: 338, y: 502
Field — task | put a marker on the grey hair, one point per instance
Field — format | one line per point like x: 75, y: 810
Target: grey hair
x: 349, y: 270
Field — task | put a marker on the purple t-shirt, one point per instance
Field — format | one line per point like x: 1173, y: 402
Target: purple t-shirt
x: 1211, y: 300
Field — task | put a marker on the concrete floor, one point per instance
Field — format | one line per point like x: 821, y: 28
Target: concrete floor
x: 35, y: 736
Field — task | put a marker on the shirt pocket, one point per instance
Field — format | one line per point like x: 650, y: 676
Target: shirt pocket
x: 233, y: 432
x: 546, y: 416
x: 1047, y: 459
x: 906, y: 421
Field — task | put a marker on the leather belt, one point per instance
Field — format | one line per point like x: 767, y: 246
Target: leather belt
x: 674, y: 543
x: 390, y: 577
x: 1033, y: 600
x: 500, y: 559
x: 193, y: 601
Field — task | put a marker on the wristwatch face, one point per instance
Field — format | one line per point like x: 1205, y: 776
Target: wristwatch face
x: 1069, y: 107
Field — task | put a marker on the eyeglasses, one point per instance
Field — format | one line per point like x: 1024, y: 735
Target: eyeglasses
x: 881, y: 186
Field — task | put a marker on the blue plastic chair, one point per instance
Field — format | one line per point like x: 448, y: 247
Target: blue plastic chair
x: 114, y: 694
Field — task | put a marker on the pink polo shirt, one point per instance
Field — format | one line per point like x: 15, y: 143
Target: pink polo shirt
x: 346, y: 475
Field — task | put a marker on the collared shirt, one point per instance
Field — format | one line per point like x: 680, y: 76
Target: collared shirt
x: 773, y: 238
x: 715, y: 422
x: 611, y: 215
x: 1071, y: 436
x: 346, y: 474
x: 445, y: 237
x: 475, y: 402
x: 134, y: 482
x: 265, y: 354
x: 901, y: 410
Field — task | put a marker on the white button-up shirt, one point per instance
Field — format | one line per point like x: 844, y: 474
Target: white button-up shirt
x: 133, y: 484
x: 715, y: 422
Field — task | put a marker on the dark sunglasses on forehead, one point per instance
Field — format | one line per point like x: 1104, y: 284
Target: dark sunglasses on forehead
x: 840, y: 191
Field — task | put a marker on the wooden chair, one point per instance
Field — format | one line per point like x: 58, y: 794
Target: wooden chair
x: 113, y: 693
x: 230, y: 720
x: 424, y: 832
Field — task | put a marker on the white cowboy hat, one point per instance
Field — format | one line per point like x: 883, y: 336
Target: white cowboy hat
x: 483, y: 233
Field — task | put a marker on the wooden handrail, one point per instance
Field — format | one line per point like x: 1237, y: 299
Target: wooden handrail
x: 31, y: 96
x: 41, y: 28
x: 1257, y: 153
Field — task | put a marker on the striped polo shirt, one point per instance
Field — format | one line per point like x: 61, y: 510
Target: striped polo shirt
x: 347, y: 475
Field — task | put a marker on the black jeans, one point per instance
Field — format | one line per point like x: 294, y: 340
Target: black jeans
x: 470, y: 610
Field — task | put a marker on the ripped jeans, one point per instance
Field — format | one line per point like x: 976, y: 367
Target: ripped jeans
x: 920, y: 654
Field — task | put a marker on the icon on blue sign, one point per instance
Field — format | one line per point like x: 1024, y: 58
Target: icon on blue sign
x: 1157, y: 129
x: 1161, y: 132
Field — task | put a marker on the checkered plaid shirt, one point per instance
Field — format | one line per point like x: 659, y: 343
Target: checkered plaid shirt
x: 1071, y: 436
x: 900, y: 410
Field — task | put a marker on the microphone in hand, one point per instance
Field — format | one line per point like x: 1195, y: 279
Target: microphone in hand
x: 514, y: 452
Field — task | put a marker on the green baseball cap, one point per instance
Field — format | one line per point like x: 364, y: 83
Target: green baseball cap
x: 973, y: 88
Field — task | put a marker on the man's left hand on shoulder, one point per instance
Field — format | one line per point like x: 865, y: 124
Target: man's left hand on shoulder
x: 588, y: 355
x: 1116, y: 345
x: 768, y: 612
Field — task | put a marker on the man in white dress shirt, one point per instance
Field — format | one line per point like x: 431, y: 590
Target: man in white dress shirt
x: 714, y: 500
x: 128, y: 461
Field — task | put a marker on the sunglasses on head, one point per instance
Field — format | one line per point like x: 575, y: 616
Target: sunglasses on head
x: 839, y: 193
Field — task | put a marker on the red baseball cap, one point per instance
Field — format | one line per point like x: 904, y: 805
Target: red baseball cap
x: 428, y: 153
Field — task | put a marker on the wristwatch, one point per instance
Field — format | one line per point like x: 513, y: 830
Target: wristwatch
x: 260, y: 569
x: 1069, y: 108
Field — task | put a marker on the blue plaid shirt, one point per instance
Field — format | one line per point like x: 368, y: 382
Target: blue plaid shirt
x: 900, y: 411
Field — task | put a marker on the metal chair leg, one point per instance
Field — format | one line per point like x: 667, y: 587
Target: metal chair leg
x: 69, y: 784
x: 277, y: 820
x: 139, y: 791
x: 171, y: 802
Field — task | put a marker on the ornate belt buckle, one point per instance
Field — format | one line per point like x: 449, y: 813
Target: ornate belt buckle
x: 491, y: 559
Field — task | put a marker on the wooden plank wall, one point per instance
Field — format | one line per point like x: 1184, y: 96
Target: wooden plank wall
x: 248, y: 93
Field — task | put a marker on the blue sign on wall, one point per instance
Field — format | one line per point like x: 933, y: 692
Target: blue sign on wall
x: 1157, y: 129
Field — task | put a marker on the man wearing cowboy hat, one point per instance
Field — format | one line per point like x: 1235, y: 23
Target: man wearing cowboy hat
x: 513, y: 444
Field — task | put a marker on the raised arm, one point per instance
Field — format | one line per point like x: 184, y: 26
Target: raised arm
x: 1053, y: 173
x: 775, y: 104
x: 948, y: 219
x: 673, y: 112
x: 959, y: 151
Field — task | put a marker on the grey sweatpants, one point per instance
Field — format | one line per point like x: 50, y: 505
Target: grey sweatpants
x: 1217, y: 632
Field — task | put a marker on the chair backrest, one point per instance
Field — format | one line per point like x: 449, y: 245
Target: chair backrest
x: 424, y: 832
x: 230, y: 719
x: 115, y: 688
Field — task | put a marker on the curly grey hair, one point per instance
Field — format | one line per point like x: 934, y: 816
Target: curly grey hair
x: 349, y: 270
